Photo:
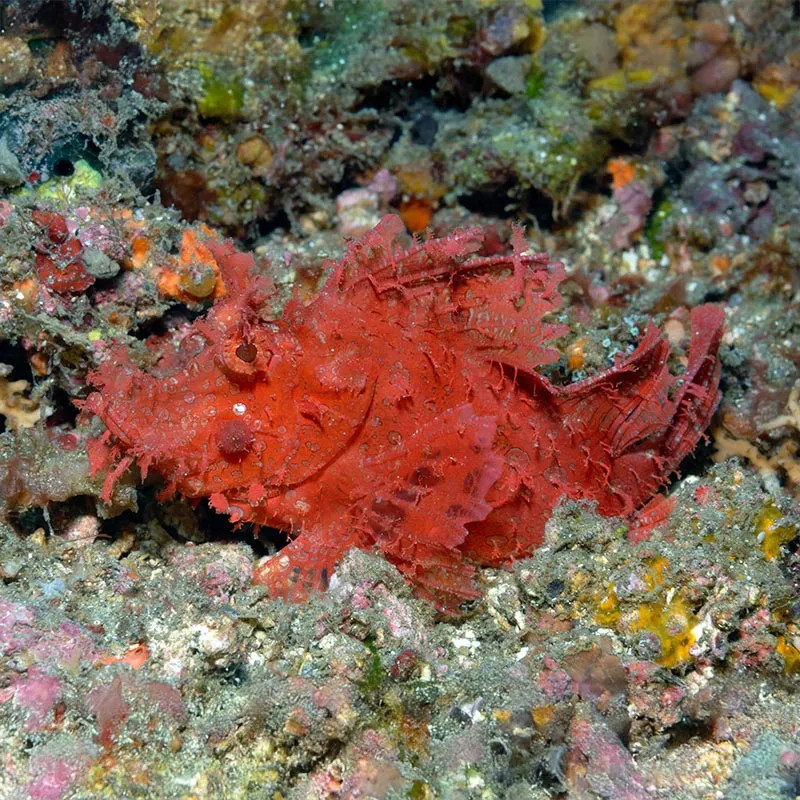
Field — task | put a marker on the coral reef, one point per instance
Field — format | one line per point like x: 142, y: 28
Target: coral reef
x: 178, y: 669
x: 651, y: 146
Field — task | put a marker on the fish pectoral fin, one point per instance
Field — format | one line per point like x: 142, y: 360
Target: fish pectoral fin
x: 305, y: 565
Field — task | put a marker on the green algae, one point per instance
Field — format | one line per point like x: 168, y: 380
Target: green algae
x: 654, y: 228
x: 222, y: 95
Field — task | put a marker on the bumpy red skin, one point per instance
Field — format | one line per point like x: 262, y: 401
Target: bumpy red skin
x: 402, y: 410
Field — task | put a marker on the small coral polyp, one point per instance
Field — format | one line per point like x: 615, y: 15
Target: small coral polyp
x: 58, y: 260
x: 402, y: 410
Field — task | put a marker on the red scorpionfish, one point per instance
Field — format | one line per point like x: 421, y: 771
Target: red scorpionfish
x: 402, y: 410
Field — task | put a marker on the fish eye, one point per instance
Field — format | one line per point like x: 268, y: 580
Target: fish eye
x: 246, y: 352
